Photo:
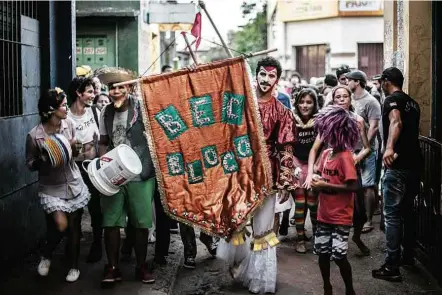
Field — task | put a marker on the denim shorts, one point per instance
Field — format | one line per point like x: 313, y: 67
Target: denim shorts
x: 368, y: 170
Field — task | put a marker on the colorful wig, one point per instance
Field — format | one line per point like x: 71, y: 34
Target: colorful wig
x: 337, y: 128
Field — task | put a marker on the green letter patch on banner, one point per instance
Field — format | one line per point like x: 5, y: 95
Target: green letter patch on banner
x: 202, y: 113
x: 229, y: 162
x: 195, y: 171
x: 210, y: 156
x: 242, y: 146
x: 171, y: 122
x: 233, y: 107
x: 175, y: 164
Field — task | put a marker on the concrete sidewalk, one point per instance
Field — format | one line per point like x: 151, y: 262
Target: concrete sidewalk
x: 23, y: 279
x: 299, y: 274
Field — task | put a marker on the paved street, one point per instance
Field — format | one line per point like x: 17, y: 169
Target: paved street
x: 297, y: 274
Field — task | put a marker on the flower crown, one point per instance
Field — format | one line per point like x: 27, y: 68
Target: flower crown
x: 47, y: 114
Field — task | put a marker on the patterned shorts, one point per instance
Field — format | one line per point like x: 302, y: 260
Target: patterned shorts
x: 332, y: 239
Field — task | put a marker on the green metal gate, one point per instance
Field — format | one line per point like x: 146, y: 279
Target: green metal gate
x: 95, y: 51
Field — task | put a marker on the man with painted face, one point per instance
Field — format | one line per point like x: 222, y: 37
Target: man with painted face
x: 122, y: 123
x: 257, y: 270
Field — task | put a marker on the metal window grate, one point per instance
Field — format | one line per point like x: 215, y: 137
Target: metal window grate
x: 11, y: 102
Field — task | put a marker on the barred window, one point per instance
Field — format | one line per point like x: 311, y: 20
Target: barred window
x: 11, y: 101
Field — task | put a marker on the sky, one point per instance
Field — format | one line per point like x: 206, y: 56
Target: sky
x: 226, y: 14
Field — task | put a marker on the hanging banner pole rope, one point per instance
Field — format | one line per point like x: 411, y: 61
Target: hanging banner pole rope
x: 203, y: 6
x: 246, y: 56
x: 192, y: 54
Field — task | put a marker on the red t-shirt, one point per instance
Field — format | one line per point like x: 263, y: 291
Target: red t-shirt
x: 336, y: 207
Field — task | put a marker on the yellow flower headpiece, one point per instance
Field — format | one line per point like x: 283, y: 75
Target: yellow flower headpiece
x: 58, y: 90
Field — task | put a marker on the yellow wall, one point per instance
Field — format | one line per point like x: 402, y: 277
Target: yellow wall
x: 408, y: 46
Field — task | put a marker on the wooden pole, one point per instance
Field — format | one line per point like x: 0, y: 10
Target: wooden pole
x: 192, y: 54
x: 247, y: 56
x: 203, y: 6
x: 261, y: 52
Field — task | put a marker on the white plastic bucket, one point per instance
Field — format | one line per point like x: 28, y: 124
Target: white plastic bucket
x: 114, y: 169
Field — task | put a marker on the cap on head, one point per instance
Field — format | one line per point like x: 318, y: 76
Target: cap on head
x: 357, y: 75
x: 394, y: 75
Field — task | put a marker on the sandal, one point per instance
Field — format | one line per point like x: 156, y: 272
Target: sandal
x: 367, y: 228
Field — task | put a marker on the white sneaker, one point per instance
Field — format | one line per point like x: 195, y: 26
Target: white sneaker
x: 73, y: 275
x: 152, y: 239
x: 43, y: 267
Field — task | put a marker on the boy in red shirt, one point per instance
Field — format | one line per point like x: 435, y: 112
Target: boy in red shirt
x: 336, y: 185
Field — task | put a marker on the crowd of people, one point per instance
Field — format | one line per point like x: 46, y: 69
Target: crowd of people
x: 327, y: 144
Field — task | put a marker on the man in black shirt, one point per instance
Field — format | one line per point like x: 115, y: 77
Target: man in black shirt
x: 402, y: 161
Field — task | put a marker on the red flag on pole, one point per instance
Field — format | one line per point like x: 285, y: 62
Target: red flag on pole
x: 196, y: 30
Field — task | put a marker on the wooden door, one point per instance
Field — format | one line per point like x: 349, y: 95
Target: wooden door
x: 371, y: 58
x: 310, y: 61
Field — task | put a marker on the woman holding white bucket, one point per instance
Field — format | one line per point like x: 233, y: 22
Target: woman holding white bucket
x: 121, y: 124
x: 50, y: 148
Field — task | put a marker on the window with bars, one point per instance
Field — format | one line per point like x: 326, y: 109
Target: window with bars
x: 11, y: 101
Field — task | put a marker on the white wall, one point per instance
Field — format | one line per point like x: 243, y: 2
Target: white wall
x: 342, y: 34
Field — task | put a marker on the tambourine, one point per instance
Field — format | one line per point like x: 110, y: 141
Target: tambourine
x: 58, y: 149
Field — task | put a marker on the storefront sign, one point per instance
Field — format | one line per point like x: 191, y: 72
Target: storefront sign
x: 360, y: 8
x: 298, y: 10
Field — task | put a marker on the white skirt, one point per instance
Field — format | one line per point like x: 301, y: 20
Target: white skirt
x: 255, y: 269
x: 51, y: 204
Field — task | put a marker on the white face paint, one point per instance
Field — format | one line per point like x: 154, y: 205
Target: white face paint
x: 267, y: 77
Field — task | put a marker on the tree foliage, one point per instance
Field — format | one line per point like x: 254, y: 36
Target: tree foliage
x: 253, y: 36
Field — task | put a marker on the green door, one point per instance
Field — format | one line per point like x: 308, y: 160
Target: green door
x: 95, y: 51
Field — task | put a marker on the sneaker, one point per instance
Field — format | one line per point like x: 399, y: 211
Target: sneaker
x: 300, y: 247
x: 152, y: 239
x: 189, y: 262
x: 73, y: 275
x: 388, y: 274
x: 43, y: 267
x: 144, y: 275
x: 108, y: 276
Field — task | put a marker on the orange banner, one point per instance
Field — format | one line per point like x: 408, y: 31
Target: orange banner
x: 206, y: 139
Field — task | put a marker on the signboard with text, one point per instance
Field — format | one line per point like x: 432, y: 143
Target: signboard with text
x: 361, y: 8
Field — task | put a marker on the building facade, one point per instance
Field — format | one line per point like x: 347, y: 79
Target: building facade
x: 115, y: 33
x: 413, y: 43
x: 37, y: 50
x: 316, y: 37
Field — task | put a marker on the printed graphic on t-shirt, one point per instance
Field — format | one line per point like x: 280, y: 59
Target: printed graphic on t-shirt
x: 119, y: 134
x: 84, y: 125
x: 306, y: 137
